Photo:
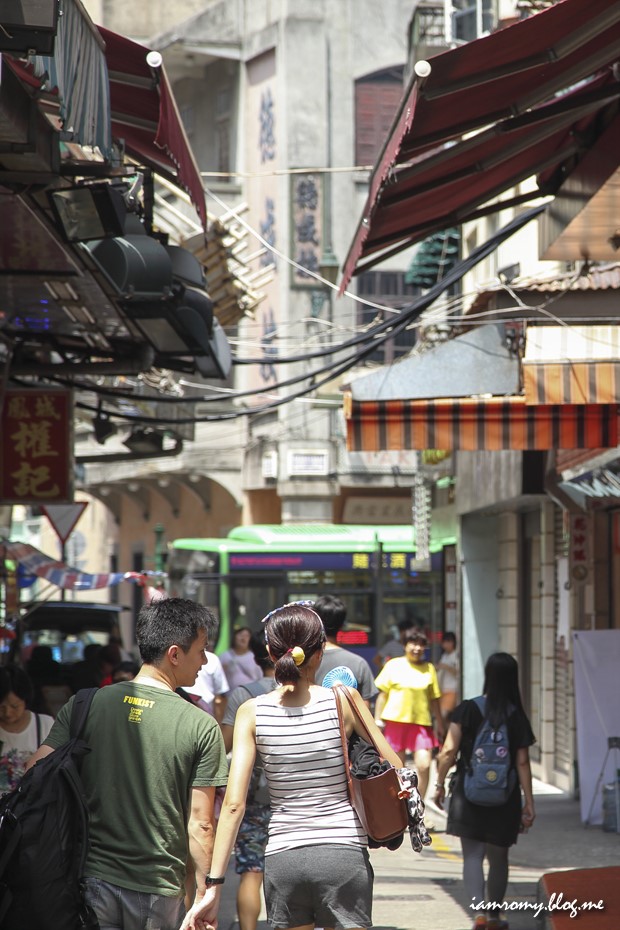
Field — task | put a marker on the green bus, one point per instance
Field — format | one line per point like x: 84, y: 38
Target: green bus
x: 256, y: 568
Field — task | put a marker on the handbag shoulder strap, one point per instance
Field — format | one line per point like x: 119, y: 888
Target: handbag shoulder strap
x: 345, y: 745
x: 340, y: 689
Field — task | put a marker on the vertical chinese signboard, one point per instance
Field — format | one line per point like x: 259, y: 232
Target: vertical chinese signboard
x: 36, y: 458
x: 579, y: 549
x: 306, y: 227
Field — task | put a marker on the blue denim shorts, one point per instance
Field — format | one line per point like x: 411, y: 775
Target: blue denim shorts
x: 123, y: 909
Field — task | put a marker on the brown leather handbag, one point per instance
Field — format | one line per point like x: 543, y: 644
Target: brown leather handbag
x: 378, y: 800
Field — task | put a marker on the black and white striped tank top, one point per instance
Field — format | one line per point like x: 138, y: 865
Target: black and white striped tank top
x: 302, y: 756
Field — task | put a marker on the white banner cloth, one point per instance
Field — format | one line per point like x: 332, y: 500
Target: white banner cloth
x: 596, y: 663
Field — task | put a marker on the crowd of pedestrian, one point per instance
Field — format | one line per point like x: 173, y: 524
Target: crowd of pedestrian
x: 162, y: 826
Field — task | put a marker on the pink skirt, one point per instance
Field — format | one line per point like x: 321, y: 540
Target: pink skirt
x: 404, y: 737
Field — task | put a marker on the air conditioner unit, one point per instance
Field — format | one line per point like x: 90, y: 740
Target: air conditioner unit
x: 269, y: 464
x: 308, y: 462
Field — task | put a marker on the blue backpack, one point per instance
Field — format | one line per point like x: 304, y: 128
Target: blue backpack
x: 490, y: 777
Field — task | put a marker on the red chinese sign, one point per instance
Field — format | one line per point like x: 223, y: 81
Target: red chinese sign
x: 579, y: 547
x: 36, y: 462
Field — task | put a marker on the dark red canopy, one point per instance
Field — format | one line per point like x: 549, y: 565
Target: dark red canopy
x: 145, y: 115
x: 507, y: 86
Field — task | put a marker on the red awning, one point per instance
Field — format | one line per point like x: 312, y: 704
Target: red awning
x: 473, y: 424
x: 504, y: 85
x: 145, y: 116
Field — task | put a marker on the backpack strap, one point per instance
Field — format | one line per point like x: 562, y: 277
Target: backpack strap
x: 38, y: 725
x: 79, y: 712
x: 481, y: 703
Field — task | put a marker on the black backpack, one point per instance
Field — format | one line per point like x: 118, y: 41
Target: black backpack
x: 44, y: 839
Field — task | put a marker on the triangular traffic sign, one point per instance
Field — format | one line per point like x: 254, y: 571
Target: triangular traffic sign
x: 63, y: 517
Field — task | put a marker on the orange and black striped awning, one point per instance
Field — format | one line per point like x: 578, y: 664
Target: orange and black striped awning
x: 592, y: 382
x: 572, y: 364
x: 488, y: 423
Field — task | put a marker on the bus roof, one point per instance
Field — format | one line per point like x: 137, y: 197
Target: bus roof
x: 305, y: 538
x: 319, y: 533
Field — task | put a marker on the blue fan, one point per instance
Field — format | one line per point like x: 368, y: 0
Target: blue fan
x: 341, y: 675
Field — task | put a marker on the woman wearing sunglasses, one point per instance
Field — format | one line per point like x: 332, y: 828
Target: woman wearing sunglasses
x: 317, y: 870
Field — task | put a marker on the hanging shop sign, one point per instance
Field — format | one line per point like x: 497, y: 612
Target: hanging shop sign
x: 579, y: 548
x: 36, y: 456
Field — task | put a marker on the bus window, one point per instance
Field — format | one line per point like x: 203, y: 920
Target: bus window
x: 251, y: 600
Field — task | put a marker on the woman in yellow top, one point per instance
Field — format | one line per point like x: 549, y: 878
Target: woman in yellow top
x: 408, y: 700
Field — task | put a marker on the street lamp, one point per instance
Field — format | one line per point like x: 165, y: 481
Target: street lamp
x: 329, y: 266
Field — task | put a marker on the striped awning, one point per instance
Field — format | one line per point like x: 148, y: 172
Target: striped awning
x: 572, y: 365
x: 572, y: 382
x: 78, y: 72
x: 474, y: 424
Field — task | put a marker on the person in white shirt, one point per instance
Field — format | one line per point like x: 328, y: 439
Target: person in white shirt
x: 21, y: 730
x: 210, y: 688
x: 448, y: 676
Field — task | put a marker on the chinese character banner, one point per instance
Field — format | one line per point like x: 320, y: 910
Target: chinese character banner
x: 36, y: 459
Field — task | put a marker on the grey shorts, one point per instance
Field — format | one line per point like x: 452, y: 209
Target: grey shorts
x: 327, y: 886
x: 132, y: 910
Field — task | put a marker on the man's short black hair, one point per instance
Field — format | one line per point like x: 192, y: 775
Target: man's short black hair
x: 332, y: 611
x: 171, y: 621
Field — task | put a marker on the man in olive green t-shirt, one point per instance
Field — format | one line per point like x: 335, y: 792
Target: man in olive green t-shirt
x: 151, y: 775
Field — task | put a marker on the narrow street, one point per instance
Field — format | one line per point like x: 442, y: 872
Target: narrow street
x: 425, y: 891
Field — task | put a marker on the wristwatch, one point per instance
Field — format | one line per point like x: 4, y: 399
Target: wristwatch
x: 214, y: 881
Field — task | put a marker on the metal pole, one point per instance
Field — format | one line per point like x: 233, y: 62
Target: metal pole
x: 378, y: 588
x: 159, y: 557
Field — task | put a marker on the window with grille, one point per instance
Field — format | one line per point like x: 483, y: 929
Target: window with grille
x: 472, y: 18
x: 428, y: 23
x: 389, y: 289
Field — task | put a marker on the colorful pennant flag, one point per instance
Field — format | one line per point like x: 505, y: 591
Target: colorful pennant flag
x: 35, y: 564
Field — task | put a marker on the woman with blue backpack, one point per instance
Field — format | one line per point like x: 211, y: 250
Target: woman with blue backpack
x: 491, y: 798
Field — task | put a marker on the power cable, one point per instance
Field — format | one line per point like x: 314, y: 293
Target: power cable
x: 370, y: 340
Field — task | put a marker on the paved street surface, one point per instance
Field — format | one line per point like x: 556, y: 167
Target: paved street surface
x: 425, y: 891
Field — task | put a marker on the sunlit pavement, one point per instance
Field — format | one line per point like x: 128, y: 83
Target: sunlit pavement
x: 424, y: 891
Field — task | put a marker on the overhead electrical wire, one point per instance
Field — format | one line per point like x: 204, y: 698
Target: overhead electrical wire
x: 383, y: 331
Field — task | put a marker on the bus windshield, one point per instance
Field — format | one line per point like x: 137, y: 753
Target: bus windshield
x: 373, y: 569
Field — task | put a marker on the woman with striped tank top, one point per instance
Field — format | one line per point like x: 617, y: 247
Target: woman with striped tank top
x: 317, y: 869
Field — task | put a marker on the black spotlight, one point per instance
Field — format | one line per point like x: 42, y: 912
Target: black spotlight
x: 102, y: 426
